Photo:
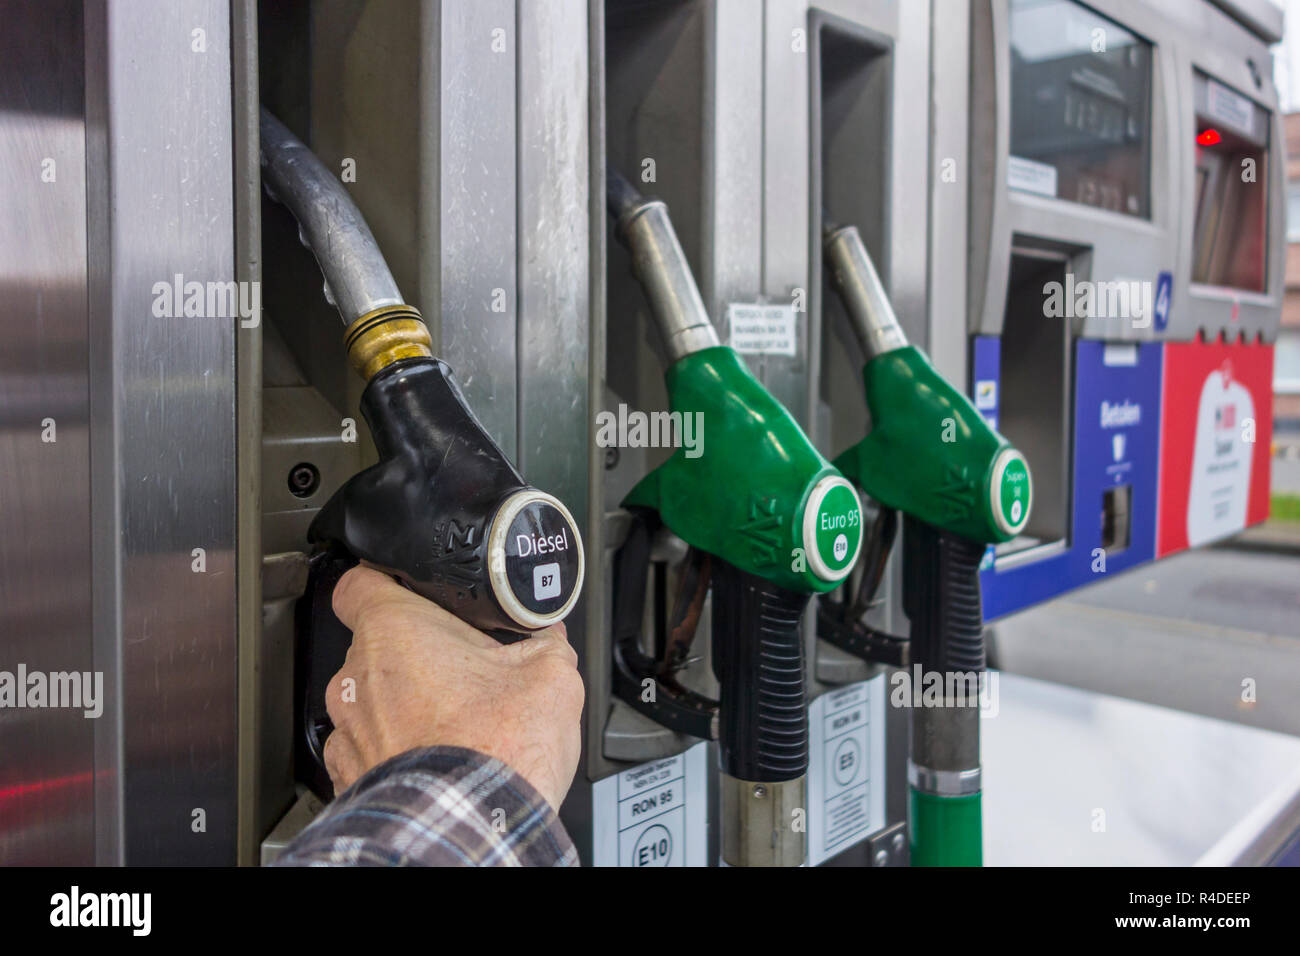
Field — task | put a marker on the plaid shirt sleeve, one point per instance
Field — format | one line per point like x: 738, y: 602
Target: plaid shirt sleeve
x: 438, y: 806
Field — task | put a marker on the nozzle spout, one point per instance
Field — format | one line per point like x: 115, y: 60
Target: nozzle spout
x: 661, y: 267
x: 871, y: 315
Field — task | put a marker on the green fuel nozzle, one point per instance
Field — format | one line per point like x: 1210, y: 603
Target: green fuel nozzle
x: 769, y: 521
x: 960, y: 486
x: 930, y: 453
x: 759, y: 496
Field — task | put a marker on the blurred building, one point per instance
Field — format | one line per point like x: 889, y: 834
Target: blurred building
x: 1286, y: 376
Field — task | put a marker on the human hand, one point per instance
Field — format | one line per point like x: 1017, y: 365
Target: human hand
x: 421, y: 677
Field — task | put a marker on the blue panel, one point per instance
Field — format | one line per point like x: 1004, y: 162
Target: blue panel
x: 1116, y: 443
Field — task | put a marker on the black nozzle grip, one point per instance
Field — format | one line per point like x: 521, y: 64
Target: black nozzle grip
x: 321, y: 648
x: 941, y: 595
x: 759, y: 662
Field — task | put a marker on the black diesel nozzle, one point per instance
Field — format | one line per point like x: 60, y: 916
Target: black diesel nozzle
x: 443, y: 510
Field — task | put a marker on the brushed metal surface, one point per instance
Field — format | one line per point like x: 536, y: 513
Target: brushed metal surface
x: 786, y: 217
x: 46, y: 755
x: 160, y: 204
x: 259, y: 757
x: 476, y: 181
x: 949, y: 196
x: 554, y: 274
x: 732, y: 160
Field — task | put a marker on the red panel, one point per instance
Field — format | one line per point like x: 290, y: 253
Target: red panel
x: 1213, y: 481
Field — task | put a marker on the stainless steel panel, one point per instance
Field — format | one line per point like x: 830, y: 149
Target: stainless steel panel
x: 261, y: 768
x: 477, y: 187
x: 732, y: 168
x: 163, y: 481
x: 785, y: 214
x: 47, y: 767
x: 421, y: 96
x: 949, y: 194
x: 555, y: 418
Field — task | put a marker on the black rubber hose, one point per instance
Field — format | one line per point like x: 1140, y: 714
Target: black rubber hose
x: 620, y: 195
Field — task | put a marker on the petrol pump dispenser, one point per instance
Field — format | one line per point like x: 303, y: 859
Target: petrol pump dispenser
x: 960, y: 486
x: 769, y: 522
x: 444, y: 511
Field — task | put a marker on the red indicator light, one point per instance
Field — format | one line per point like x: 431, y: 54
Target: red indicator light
x: 1208, y: 137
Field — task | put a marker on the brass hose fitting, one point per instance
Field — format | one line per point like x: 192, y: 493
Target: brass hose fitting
x: 385, y: 335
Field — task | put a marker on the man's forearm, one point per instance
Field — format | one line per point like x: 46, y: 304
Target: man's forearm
x: 438, y: 806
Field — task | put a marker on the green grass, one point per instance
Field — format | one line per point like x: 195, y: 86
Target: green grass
x: 1285, y: 508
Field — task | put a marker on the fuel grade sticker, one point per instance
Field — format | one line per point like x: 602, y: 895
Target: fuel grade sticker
x: 846, y: 767
x: 542, y: 557
x: 655, y: 814
x: 832, y: 532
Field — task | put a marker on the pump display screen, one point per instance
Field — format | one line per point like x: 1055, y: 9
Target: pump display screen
x: 1080, y: 107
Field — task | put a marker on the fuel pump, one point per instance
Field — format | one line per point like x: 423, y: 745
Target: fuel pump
x: 443, y: 510
x: 960, y: 486
x: 769, y: 522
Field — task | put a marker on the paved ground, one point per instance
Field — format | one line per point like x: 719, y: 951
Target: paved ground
x: 1185, y: 632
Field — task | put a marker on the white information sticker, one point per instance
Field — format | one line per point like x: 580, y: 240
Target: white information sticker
x: 761, y: 329
x: 546, y: 581
x: 1229, y: 108
x: 1031, y: 176
x: 846, y: 767
x: 1114, y: 354
x: 656, y: 814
